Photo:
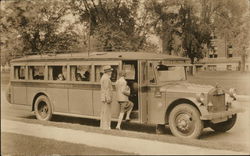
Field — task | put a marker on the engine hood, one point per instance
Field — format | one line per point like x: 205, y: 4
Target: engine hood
x: 185, y: 87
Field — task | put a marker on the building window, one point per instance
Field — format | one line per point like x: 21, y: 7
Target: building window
x: 36, y: 72
x: 57, y: 73
x: 211, y: 67
x: 19, y: 72
x: 80, y: 73
x: 229, y: 67
x: 230, y: 51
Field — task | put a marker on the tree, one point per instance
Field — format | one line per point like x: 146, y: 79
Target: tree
x: 164, y: 20
x: 180, y: 26
x: 192, y: 34
x: 231, y: 22
x: 113, y: 23
x: 37, y: 26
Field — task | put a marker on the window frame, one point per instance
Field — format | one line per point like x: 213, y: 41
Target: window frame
x: 13, y: 72
x: 58, y: 64
x: 81, y: 64
x: 154, y: 73
x: 45, y: 72
x: 103, y: 63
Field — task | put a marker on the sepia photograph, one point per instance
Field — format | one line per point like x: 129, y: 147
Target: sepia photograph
x: 125, y: 77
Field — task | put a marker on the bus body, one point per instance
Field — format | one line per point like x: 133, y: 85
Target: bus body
x: 159, y: 90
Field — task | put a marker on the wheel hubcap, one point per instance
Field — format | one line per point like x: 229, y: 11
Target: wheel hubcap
x: 43, y: 109
x: 184, y: 123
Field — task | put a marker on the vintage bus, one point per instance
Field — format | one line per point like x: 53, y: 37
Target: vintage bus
x: 69, y: 84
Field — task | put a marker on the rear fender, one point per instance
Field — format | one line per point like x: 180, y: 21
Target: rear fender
x: 39, y: 94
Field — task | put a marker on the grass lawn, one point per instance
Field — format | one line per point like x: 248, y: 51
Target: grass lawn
x: 16, y: 144
x: 239, y: 81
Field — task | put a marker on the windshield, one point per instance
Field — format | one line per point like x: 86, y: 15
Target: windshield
x: 170, y: 73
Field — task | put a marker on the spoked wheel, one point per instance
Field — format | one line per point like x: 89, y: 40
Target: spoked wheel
x: 184, y: 121
x: 43, y: 109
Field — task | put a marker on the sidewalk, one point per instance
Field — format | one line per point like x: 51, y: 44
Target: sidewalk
x: 124, y: 144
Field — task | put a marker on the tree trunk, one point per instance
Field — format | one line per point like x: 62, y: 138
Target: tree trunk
x: 243, y: 62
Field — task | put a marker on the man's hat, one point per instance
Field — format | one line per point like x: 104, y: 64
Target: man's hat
x: 107, y: 68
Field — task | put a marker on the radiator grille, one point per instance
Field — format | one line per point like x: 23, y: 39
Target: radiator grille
x: 218, y: 101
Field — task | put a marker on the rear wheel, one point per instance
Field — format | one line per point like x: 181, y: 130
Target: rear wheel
x: 184, y: 121
x: 224, y: 126
x: 43, y: 108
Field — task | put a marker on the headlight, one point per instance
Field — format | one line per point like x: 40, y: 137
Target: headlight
x: 232, y: 92
x: 200, y: 97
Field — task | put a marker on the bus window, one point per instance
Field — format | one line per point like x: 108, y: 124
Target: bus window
x: 19, y: 72
x: 36, y: 72
x: 80, y: 73
x: 151, y: 74
x: 99, y: 72
x: 57, y: 73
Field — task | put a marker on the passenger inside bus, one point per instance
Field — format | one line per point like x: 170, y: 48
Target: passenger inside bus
x: 78, y: 77
x: 86, y: 76
x: 132, y: 79
x: 61, y: 77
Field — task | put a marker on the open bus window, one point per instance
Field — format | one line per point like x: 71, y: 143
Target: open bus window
x: 36, y: 72
x: 130, y: 71
x: 99, y: 72
x: 57, y: 73
x: 80, y: 73
x: 151, y: 74
x: 19, y: 72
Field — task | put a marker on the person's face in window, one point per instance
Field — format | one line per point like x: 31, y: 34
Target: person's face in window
x: 60, y: 77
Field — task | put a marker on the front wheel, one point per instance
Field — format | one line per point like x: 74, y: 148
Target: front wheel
x: 224, y: 126
x: 43, y: 108
x: 185, y: 122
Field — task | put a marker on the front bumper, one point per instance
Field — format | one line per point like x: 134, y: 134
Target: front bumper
x: 219, y: 115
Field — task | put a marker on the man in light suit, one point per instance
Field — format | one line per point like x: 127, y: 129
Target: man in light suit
x: 122, y: 93
x: 106, y: 98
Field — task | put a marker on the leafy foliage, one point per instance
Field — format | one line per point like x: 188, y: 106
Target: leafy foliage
x: 113, y: 23
x: 37, y: 26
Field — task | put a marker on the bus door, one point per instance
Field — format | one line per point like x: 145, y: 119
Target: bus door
x: 131, y: 69
x: 143, y: 91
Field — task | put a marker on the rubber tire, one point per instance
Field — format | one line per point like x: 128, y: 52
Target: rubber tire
x: 199, y: 125
x: 46, y: 100
x: 224, y: 126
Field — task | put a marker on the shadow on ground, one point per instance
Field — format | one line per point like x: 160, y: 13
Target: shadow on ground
x: 129, y: 126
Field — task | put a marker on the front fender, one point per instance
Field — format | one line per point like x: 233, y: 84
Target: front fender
x: 201, y: 107
x: 189, y: 100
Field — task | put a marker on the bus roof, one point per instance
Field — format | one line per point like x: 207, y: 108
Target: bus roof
x: 99, y: 56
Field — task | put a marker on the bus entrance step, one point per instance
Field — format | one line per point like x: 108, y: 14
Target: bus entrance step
x: 134, y: 114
